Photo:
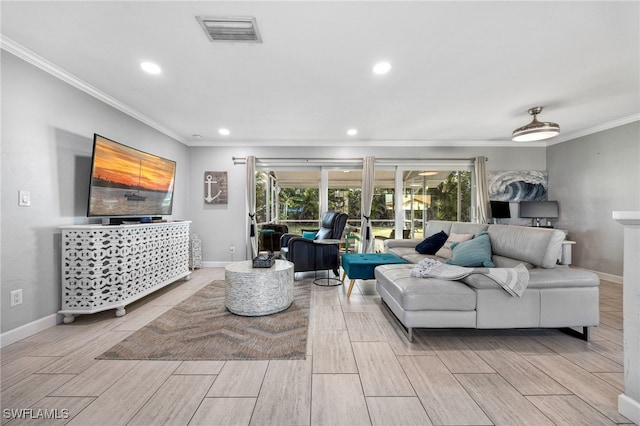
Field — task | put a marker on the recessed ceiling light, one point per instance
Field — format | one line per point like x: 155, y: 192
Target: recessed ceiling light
x: 151, y: 68
x: 224, y: 132
x: 352, y: 132
x: 382, y: 67
x: 428, y: 173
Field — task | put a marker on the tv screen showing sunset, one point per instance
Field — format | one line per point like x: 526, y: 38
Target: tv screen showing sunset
x: 126, y: 181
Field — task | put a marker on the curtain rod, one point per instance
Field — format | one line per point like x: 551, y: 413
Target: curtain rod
x: 243, y: 160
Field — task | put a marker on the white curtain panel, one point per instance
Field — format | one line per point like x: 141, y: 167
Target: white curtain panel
x: 252, y: 246
x: 482, y: 189
x: 368, y: 181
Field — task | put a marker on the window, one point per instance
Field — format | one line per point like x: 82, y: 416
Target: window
x: 295, y: 195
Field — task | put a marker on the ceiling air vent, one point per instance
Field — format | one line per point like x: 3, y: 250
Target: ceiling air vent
x: 243, y: 29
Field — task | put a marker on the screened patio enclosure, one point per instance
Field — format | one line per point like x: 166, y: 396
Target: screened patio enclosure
x: 296, y: 194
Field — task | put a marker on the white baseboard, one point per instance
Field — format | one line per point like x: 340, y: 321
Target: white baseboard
x: 616, y: 279
x: 629, y: 408
x: 215, y: 264
x: 28, y: 330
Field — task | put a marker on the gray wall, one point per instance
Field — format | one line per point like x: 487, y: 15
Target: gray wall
x: 47, y: 136
x: 590, y: 177
x: 223, y: 225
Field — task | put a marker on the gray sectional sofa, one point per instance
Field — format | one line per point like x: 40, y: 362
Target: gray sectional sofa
x: 556, y: 296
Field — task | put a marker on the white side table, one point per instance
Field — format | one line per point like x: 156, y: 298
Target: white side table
x: 258, y: 291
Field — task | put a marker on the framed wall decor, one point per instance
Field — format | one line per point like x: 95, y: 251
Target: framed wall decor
x: 215, y: 188
x: 518, y: 185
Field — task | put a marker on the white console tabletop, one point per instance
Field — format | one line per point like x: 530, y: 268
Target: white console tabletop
x: 629, y: 401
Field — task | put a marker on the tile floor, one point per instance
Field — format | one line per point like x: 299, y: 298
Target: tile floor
x: 360, y: 370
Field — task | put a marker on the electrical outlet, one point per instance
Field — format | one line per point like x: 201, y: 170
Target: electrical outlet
x: 24, y: 198
x: 232, y: 249
x: 16, y: 297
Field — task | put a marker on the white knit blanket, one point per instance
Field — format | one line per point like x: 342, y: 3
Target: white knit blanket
x: 513, y: 280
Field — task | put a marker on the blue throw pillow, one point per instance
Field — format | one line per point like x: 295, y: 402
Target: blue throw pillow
x: 308, y: 234
x: 475, y: 252
x: 432, y: 244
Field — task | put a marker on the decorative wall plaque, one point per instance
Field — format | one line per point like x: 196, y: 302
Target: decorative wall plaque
x: 215, y: 188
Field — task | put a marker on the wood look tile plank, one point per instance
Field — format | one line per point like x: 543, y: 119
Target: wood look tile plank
x: 224, y: 412
x: 397, y: 411
x: 399, y: 342
x: 444, y: 399
x: 32, y: 389
x: 137, y: 319
x: 363, y: 327
x: 519, y: 372
x: 200, y: 367
x: 503, y: 404
x: 326, y: 317
x: 380, y: 371
x: 611, y: 318
x: 569, y: 410
x: 456, y: 355
x: 324, y: 296
x: 23, y: 367
x: 604, y: 332
x: 95, y: 380
x: 285, y: 396
x: 332, y: 352
x: 359, y: 303
x: 615, y: 379
x: 172, y: 297
x: 72, y: 343
x: 79, y: 360
x: 593, y: 390
x: 338, y: 400
x: 580, y: 353
x: 175, y: 402
x: 524, y: 345
x: 239, y: 379
x: 17, y: 350
x: 609, y: 305
x: 118, y: 404
x: 608, y: 349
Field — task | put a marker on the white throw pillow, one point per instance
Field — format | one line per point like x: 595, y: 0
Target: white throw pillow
x: 445, y: 251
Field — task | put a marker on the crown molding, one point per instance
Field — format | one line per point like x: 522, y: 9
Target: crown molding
x: 38, y: 61
x: 595, y: 129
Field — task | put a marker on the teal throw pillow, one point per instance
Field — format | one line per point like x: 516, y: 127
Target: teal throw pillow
x: 308, y: 234
x: 475, y: 252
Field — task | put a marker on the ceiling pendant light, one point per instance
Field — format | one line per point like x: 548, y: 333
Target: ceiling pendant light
x: 536, y: 130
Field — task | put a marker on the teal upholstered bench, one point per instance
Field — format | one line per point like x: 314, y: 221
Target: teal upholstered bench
x: 360, y: 266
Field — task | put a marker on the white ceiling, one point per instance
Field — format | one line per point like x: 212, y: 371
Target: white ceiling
x: 464, y: 73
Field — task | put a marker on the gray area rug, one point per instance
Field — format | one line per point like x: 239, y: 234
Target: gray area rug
x: 201, y: 328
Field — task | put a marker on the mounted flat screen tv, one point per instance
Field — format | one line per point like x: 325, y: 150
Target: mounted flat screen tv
x: 539, y: 209
x: 129, y: 182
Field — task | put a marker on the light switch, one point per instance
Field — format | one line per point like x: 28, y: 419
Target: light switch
x: 24, y: 198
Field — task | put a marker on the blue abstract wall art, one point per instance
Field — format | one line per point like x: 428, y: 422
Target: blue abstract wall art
x: 517, y: 185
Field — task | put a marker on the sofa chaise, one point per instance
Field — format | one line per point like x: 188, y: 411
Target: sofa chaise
x: 555, y: 297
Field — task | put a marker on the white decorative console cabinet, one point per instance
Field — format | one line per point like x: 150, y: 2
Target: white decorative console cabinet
x: 109, y: 267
